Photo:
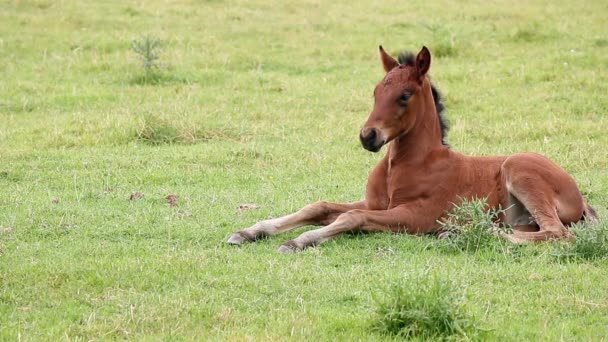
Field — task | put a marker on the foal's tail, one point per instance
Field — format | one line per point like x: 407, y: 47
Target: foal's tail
x: 589, y: 214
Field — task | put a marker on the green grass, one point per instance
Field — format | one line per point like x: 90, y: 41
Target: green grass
x: 424, y: 308
x: 261, y: 102
x: 591, y: 243
x: 470, y: 228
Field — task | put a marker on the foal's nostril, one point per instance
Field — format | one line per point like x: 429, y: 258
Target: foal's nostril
x: 371, y: 136
x: 368, y: 137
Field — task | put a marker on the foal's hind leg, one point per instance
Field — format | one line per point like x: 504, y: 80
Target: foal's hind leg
x: 313, y: 214
x: 545, y: 224
x: 546, y: 192
x: 518, y: 217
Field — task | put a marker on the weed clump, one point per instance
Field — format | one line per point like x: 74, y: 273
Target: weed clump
x: 158, y: 129
x: 590, y: 243
x: 424, y: 308
x: 470, y: 227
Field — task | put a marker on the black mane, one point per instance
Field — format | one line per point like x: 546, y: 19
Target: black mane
x: 408, y: 58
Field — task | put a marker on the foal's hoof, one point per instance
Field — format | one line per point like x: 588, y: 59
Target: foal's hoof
x: 288, y: 248
x: 444, y: 235
x: 237, y: 239
x: 513, y: 239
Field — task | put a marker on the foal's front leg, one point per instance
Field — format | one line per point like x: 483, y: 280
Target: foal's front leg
x: 399, y: 219
x: 313, y: 214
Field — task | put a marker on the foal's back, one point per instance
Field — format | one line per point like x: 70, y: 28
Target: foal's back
x: 479, y: 177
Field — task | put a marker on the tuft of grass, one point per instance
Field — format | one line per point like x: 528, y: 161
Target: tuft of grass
x: 470, y: 227
x: 155, y: 129
x: 530, y: 33
x: 601, y: 42
x: 590, y: 243
x: 425, y: 307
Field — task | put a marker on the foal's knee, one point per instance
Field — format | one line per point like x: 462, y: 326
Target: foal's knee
x: 352, y: 218
x: 318, y: 208
x: 318, y: 212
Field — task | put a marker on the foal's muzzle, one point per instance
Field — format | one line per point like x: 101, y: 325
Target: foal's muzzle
x: 371, y: 139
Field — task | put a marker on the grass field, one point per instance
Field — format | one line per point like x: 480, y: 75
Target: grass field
x: 261, y: 102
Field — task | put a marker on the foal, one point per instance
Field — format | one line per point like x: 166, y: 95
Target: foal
x: 420, y: 178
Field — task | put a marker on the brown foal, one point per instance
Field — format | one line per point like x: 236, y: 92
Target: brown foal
x: 420, y: 178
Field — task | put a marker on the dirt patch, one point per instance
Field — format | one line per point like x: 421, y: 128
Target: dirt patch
x: 136, y: 196
x: 172, y: 200
x: 247, y: 206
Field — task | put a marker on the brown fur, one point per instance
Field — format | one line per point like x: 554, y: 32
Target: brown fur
x: 420, y: 178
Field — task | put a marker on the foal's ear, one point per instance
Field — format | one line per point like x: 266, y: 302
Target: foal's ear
x: 388, y: 62
x: 423, y: 62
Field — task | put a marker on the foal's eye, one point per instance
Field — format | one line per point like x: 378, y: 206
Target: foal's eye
x: 405, y: 97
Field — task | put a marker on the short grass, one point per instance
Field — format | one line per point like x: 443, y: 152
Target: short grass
x: 261, y: 102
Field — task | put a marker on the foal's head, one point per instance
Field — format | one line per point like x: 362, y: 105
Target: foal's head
x: 400, y: 99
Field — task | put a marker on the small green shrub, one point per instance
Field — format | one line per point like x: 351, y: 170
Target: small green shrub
x: 148, y: 50
x: 424, y: 308
x: 470, y: 227
x: 590, y: 243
